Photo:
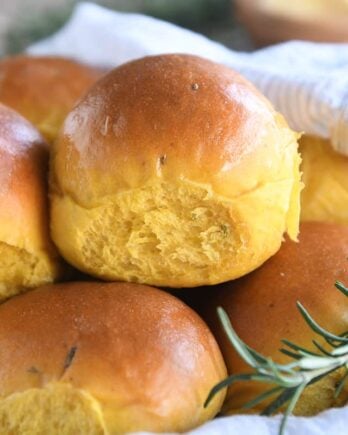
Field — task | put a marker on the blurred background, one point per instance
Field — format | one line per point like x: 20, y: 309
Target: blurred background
x: 239, y: 24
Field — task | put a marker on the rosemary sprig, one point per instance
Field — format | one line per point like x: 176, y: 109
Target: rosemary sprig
x: 288, y: 380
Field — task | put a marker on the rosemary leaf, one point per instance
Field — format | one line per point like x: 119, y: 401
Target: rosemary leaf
x: 262, y: 397
x: 315, y: 362
x: 236, y: 342
x: 225, y: 383
x: 291, y: 354
x: 322, y: 375
x: 332, y: 343
x: 317, y: 328
x: 341, y: 384
x: 280, y: 400
x: 342, y: 288
x: 340, y: 351
x: 291, y: 406
x: 320, y: 347
x: 260, y: 358
x: 274, y: 368
x: 299, y: 348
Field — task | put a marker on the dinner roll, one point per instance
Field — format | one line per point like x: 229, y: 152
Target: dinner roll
x: 27, y: 256
x: 174, y: 171
x: 44, y: 89
x: 325, y: 174
x: 93, y: 358
x: 262, y: 309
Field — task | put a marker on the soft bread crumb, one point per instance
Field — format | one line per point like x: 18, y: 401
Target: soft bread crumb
x: 20, y: 270
x: 58, y: 409
x: 175, y: 234
x: 293, y: 216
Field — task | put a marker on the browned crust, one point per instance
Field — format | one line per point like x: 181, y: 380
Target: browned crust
x: 172, y: 116
x: 44, y: 89
x: 126, y: 344
x: 262, y: 305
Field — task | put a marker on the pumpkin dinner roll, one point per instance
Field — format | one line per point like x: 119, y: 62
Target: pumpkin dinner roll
x: 325, y: 175
x: 173, y: 171
x: 27, y: 256
x: 262, y: 310
x: 44, y: 89
x: 96, y: 358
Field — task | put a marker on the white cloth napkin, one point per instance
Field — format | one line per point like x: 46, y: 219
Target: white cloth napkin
x: 332, y: 422
x: 307, y: 82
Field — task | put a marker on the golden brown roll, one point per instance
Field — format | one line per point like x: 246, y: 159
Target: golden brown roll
x: 93, y: 358
x: 325, y: 175
x: 44, y: 89
x: 173, y: 171
x: 27, y: 255
x: 262, y: 309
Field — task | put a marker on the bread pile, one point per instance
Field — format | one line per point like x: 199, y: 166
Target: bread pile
x: 170, y: 171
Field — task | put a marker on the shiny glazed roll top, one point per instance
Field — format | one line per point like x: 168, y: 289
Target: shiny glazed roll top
x: 173, y: 171
x: 104, y: 359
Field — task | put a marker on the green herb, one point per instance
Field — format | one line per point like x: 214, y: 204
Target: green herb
x: 162, y: 159
x: 224, y: 229
x: 33, y: 370
x: 69, y: 357
x: 288, y: 380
